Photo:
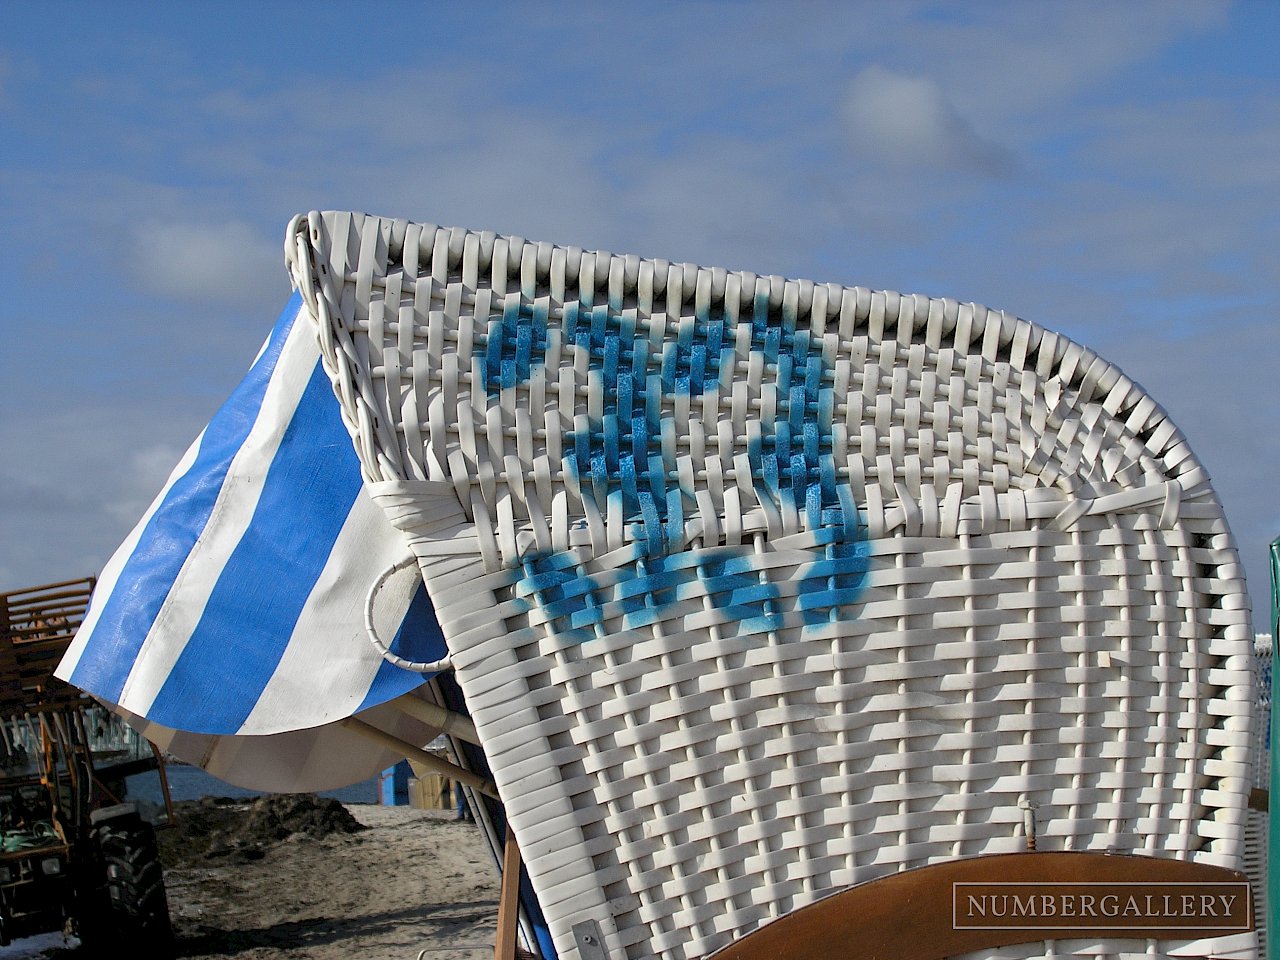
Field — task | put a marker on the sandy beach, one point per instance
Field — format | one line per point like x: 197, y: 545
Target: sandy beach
x: 412, y: 882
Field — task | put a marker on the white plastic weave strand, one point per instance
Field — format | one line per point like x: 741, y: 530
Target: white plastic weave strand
x: 760, y: 588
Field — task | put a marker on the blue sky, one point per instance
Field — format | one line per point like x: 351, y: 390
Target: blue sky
x: 1107, y: 170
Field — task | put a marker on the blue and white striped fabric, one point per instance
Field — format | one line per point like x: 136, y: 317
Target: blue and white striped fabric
x: 236, y: 606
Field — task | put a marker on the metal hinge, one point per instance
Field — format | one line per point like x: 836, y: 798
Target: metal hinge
x: 589, y: 940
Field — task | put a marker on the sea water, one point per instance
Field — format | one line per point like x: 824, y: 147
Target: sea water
x: 192, y: 783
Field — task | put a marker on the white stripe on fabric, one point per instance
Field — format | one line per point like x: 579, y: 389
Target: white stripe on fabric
x: 328, y: 649
x: 129, y: 612
x: 231, y: 515
x: 110, y: 575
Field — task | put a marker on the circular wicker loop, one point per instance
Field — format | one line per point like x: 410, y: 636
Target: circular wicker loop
x: 417, y: 666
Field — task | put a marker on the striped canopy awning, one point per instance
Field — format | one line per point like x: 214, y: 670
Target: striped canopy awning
x: 236, y: 607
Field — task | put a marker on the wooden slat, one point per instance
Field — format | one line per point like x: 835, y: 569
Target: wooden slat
x: 509, y: 902
x: 910, y: 915
x: 37, y: 624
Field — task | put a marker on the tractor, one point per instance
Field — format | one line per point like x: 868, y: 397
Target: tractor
x: 75, y: 856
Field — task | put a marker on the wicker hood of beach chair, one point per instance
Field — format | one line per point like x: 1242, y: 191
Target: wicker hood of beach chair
x: 758, y: 589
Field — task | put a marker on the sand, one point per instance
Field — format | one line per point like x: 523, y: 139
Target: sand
x: 414, y: 882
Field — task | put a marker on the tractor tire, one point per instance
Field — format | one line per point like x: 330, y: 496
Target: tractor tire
x: 134, y: 910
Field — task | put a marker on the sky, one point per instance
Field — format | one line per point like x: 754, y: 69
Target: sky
x: 1105, y: 170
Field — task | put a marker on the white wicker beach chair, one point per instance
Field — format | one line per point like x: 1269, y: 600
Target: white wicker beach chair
x: 758, y: 589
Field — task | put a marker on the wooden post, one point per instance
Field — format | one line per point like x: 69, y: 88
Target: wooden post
x: 504, y: 948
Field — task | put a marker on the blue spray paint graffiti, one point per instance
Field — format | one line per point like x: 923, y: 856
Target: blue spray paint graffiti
x: 624, y: 457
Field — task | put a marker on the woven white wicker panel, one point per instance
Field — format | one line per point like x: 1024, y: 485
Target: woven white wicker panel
x: 760, y: 588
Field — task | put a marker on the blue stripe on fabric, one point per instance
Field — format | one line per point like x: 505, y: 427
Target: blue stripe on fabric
x: 173, y: 530
x: 419, y: 638
x: 250, y: 615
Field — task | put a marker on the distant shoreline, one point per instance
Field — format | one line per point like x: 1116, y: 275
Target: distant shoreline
x: 189, y: 782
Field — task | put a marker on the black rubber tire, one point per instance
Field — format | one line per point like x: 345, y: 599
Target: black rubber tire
x: 134, y: 912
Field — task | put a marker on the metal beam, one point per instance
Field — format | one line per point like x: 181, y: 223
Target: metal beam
x: 446, y: 721
x: 422, y: 757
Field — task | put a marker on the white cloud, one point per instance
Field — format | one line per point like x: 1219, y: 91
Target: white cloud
x: 731, y: 152
x: 1225, y: 143
x: 229, y: 262
x: 1014, y: 59
x: 142, y: 475
x: 82, y: 476
x: 908, y: 120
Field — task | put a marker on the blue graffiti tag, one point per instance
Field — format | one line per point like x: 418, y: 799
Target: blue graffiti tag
x: 621, y: 457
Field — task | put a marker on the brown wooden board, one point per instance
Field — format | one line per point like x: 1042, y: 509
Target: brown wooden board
x: 37, y: 625
x: 948, y: 908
